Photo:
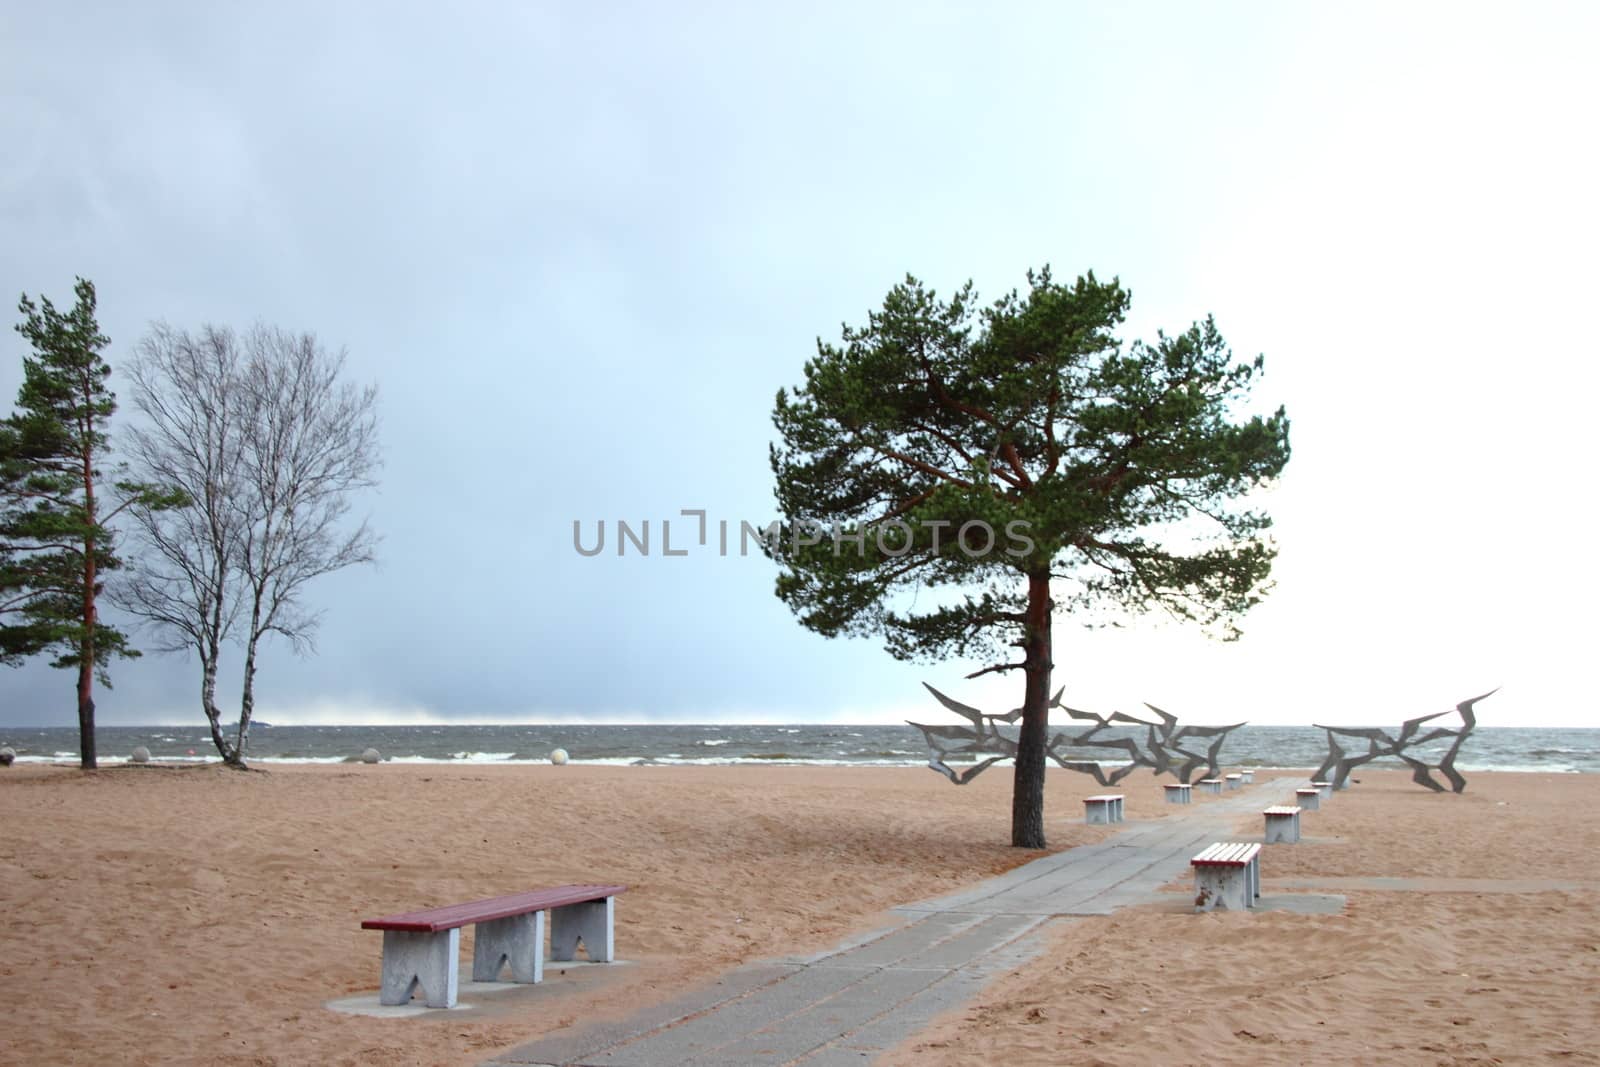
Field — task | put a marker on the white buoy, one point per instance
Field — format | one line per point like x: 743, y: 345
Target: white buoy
x: 140, y: 755
x: 558, y: 756
x: 370, y: 756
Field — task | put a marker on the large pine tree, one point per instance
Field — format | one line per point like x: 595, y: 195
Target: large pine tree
x: 1022, y: 449
x: 54, y: 546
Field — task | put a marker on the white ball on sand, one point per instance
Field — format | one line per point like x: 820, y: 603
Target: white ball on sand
x: 370, y: 756
x: 140, y: 755
x: 558, y: 756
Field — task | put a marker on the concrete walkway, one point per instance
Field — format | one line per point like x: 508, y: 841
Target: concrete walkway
x: 847, y: 1005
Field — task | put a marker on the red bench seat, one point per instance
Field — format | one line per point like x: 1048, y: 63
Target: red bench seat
x: 432, y: 920
x: 421, y: 948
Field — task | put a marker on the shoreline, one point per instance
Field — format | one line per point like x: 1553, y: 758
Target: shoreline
x: 267, y: 762
x: 1509, y: 749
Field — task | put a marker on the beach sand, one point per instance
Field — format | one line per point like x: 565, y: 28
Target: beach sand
x: 155, y: 915
x: 1465, y: 939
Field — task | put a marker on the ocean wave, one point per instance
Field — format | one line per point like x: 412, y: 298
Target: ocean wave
x: 290, y: 758
x: 72, y: 758
x: 1518, y: 768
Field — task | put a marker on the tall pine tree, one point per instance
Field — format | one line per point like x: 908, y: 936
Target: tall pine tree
x: 1014, y: 454
x: 55, y: 548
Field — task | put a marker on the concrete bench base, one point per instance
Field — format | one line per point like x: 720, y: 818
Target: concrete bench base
x: 1210, y: 785
x: 1179, y: 793
x: 427, y: 960
x: 1220, y: 888
x: 590, y: 922
x: 1234, y: 781
x: 430, y: 960
x: 1227, y: 876
x: 1103, y: 809
x: 1309, y: 799
x: 1283, y: 825
x: 516, y: 941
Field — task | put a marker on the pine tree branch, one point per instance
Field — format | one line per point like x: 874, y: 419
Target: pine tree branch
x: 997, y: 668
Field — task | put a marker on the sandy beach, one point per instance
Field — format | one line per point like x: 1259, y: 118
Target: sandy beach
x: 1470, y: 935
x: 156, y: 915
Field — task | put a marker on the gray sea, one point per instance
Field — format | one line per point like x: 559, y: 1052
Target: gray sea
x: 1490, y: 748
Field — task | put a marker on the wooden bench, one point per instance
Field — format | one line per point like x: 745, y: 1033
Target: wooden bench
x: 1283, y: 824
x: 1179, y: 792
x: 1309, y: 799
x: 1248, y: 776
x: 1234, y: 780
x: 1227, y: 875
x: 423, y: 947
x: 1325, y: 788
x: 1105, y: 808
x: 1210, y: 785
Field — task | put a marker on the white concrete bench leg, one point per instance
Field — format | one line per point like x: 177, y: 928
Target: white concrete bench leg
x: 1101, y: 810
x: 1282, y: 829
x: 413, y: 959
x: 590, y: 923
x: 1255, y: 880
x: 517, y: 940
x: 1227, y: 888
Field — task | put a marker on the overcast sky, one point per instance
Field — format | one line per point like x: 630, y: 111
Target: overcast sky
x: 580, y: 247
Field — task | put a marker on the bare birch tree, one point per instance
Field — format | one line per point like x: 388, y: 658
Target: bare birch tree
x: 270, y: 444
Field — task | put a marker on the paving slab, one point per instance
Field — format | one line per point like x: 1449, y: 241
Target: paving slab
x: 807, y: 1031
x: 699, y: 1038
x: 572, y: 1045
x: 913, y: 1015
x: 995, y: 931
x: 915, y: 937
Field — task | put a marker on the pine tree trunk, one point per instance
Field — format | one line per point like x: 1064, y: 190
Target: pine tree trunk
x: 86, y: 746
x: 1027, y: 791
